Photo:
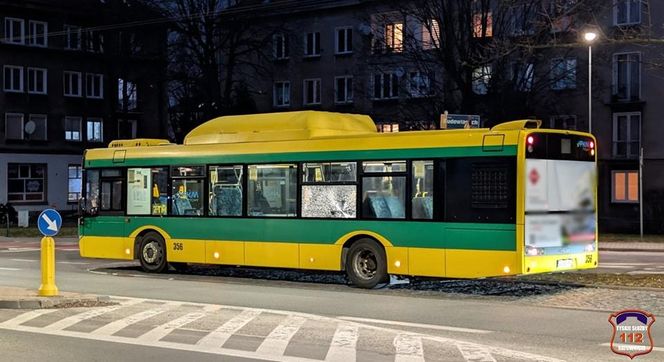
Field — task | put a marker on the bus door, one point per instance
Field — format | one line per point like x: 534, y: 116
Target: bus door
x: 104, y: 203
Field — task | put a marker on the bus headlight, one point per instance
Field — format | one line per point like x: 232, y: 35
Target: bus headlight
x: 590, y: 248
x: 530, y: 251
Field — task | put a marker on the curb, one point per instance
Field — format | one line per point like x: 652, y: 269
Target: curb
x: 52, y: 302
x: 636, y: 250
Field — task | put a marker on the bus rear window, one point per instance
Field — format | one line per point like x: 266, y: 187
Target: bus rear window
x: 555, y: 146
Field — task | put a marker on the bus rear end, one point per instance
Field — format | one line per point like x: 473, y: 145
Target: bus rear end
x: 560, y: 201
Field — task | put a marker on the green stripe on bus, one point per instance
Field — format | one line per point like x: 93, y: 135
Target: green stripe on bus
x: 399, y: 233
x: 421, y: 153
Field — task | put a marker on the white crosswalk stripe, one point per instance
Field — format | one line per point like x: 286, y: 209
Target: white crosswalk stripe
x: 344, y: 342
x: 408, y: 348
x: 276, y: 342
x: 214, y: 325
x: 218, y: 337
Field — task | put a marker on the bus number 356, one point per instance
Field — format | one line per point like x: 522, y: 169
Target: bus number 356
x: 178, y: 246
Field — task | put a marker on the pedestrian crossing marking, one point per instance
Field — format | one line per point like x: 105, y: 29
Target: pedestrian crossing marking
x: 210, y: 339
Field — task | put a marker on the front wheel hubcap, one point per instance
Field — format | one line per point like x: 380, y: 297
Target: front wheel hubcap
x: 365, y: 264
x: 152, y: 253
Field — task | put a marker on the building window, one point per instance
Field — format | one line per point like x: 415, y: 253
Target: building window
x: 430, y: 34
x: 14, y: 31
x: 563, y: 73
x: 385, y: 85
x: 523, y: 75
x: 127, y: 95
x: 627, y: 76
x: 127, y: 128
x: 420, y: 84
x: 14, y: 126
x: 387, y: 127
x: 522, y: 19
x: 343, y: 89
x: 626, y: 12
x: 281, y: 94
x: 94, y: 85
x: 280, y: 46
x: 73, y: 128
x: 625, y: 186
x: 26, y: 182
x: 481, y: 80
x: 95, y: 130
x: 35, y: 128
x: 72, y: 84
x: 38, y: 33
x: 394, y: 37
x: 75, y: 177
x: 312, y: 44
x: 483, y: 25
x: 72, y: 37
x: 311, y: 91
x: 344, y: 40
x: 37, y: 80
x: 13, y: 78
x: 94, y: 41
x: 564, y: 122
x: 626, y: 134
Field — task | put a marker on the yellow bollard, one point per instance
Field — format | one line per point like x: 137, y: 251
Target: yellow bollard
x: 48, y: 287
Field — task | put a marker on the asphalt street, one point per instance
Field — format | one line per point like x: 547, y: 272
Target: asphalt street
x: 200, y: 317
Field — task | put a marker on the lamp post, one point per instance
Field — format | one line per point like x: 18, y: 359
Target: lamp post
x: 589, y: 37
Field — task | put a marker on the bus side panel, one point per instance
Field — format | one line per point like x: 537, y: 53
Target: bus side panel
x: 224, y: 252
x: 185, y: 250
x: 397, y: 260
x: 284, y: 255
x: 426, y: 262
x: 480, y: 263
x: 321, y: 257
x: 106, y: 247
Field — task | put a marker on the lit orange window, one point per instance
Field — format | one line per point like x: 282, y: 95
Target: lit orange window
x: 480, y: 27
x: 625, y: 186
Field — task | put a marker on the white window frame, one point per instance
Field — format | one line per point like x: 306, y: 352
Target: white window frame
x: 392, y: 77
x: 69, y: 31
x: 613, y: 187
x: 553, y: 78
x: 317, y: 91
x: 4, y: 74
x: 89, y: 91
x: 9, y: 35
x: 563, y: 116
x: 275, y: 97
x: 64, y: 83
x: 285, y: 53
x: 628, y: 136
x: 88, y: 136
x: 348, y: 44
x: 22, y: 125
x: 629, y: 12
x: 31, y: 80
x: 348, y: 98
x: 628, y: 76
x: 30, y: 116
x: 32, y: 38
x: 80, y: 129
x: 315, y: 48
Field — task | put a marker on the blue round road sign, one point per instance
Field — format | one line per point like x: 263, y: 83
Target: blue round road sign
x: 49, y: 222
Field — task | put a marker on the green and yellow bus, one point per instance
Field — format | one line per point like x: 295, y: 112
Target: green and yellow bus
x: 326, y: 191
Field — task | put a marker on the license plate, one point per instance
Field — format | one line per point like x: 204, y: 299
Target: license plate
x: 564, y: 263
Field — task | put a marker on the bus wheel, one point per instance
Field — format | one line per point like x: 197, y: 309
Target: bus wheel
x: 153, y: 253
x: 366, y: 264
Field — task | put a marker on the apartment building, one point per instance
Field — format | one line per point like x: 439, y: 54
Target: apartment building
x: 374, y: 57
x: 73, y: 77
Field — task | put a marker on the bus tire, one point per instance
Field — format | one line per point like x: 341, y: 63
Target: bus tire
x: 152, y: 253
x: 366, y: 264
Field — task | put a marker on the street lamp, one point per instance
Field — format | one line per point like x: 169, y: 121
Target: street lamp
x: 589, y: 37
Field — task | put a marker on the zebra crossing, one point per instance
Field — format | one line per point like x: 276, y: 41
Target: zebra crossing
x: 250, y: 333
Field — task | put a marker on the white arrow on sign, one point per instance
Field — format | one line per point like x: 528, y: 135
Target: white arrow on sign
x: 52, y: 225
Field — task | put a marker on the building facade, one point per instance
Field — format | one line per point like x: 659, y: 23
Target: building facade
x: 382, y: 58
x: 74, y: 77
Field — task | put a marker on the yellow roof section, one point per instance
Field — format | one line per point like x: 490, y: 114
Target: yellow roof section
x: 282, y: 126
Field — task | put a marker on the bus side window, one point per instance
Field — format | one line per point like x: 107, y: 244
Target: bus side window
x: 226, y: 190
x: 422, y: 190
x: 272, y: 190
x: 111, y: 192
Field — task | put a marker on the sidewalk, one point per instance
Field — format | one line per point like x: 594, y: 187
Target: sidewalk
x: 630, y: 246
x: 20, y: 298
